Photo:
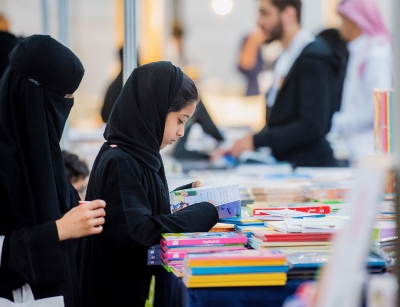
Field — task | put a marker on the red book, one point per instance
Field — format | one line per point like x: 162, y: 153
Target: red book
x: 308, y: 209
x: 293, y: 237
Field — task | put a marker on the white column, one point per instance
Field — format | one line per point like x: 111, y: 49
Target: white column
x: 396, y: 117
x: 63, y: 25
x: 45, y: 16
x: 130, y: 37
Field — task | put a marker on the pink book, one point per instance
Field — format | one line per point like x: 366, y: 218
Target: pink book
x: 202, y: 238
x: 171, y: 254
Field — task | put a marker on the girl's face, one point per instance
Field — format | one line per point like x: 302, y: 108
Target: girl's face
x: 175, y: 125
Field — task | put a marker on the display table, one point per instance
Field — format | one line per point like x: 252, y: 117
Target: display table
x: 177, y: 295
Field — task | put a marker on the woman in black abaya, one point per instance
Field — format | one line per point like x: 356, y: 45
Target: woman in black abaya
x: 128, y: 174
x: 35, y: 197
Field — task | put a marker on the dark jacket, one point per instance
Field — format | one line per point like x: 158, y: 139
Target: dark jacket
x: 301, y: 116
x: 113, y: 265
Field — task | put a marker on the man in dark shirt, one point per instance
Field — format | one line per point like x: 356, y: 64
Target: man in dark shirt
x: 300, y: 103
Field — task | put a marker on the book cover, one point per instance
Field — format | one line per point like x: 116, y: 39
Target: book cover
x: 306, y: 207
x: 225, y: 196
x: 377, y: 121
x: 327, y: 224
x: 203, y: 238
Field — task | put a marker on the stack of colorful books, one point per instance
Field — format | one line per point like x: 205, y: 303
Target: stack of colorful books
x: 235, y: 269
x: 324, y: 192
x: 305, y: 266
x: 175, y: 246
x: 277, y: 192
x: 291, y: 242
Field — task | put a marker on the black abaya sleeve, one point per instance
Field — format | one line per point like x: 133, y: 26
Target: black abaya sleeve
x: 184, y: 187
x: 130, y: 220
x: 31, y: 255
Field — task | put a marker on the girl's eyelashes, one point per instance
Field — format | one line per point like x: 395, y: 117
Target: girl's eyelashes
x: 179, y: 121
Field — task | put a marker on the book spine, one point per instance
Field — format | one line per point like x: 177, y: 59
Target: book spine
x: 175, y: 255
x: 155, y: 247
x: 390, y: 128
x: 384, y: 122
x: 154, y: 252
x: 377, y: 121
x: 203, y: 241
x: 154, y: 257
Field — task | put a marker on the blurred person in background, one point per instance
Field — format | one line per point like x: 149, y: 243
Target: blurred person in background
x: 250, y: 62
x: 300, y: 103
x: 77, y: 172
x: 339, y: 46
x: 256, y: 62
x: 369, y: 67
x: 114, y: 89
x: 7, y: 43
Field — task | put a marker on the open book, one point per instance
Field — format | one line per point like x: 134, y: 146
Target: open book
x: 225, y: 196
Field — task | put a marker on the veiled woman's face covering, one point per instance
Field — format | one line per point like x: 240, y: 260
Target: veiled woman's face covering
x: 33, y: 111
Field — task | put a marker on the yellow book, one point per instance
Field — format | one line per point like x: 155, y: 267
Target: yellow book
x: 236, y: 283
x: 227, y: 277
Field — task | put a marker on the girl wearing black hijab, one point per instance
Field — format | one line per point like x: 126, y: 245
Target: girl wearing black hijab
x: 128, y: 174
x: 35, y: 197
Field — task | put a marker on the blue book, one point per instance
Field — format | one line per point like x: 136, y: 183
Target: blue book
x: 316, y: 260
x: 249, y: 229
x: 154, y: 257
x: 241, y: 221
x: 238, y: 270
x: 154, y: 252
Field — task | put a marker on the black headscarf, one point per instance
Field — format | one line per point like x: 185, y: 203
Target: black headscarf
x: 33, y: 112
x: 7, y: 43
x: 137, y: 121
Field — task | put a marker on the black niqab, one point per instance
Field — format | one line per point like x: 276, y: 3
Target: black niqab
x: 33, y: 112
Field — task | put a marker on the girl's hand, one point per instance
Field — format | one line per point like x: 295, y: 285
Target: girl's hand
x: 83, y: 220
x: 197, y: 184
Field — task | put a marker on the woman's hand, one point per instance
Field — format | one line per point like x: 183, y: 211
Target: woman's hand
x: 83, y: 220
x: 197, y: 184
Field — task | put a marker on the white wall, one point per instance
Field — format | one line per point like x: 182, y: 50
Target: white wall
x: 92, y: 38
x: 212, y: 41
